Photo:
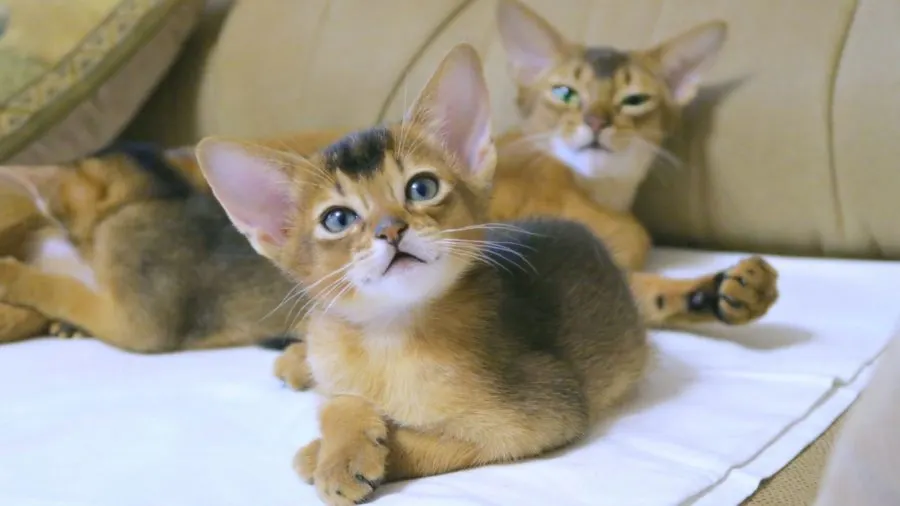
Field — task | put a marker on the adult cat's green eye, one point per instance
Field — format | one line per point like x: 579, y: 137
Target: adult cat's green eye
x: 566, y: 95
x: 337, y: 219
x: 636, y: 99
x: 422, y: 188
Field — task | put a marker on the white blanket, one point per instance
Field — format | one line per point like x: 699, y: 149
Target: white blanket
x: 82, y: 424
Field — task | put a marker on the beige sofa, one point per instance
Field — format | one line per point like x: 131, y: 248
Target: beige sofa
x: 789, y: 149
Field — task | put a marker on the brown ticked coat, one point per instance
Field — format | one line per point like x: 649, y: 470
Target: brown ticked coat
x: 505, y: 359
x: 166, y: 271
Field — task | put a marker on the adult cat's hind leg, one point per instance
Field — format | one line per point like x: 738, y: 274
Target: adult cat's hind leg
x: 734, y: 296
x: 66, y: 299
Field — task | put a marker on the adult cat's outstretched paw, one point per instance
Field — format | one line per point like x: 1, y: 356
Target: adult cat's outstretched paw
x: 740, y: 294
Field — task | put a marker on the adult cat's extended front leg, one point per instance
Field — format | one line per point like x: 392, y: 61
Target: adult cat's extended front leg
x: 734, y: 296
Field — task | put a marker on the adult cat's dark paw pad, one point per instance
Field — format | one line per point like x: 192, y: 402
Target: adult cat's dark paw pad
x: 740, y: 294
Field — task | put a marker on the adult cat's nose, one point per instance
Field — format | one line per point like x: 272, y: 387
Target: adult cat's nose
x: 595, y: 122
x: 391, y: 229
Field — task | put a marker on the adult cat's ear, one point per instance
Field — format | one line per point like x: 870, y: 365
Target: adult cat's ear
x: 532, y: 45
x: 684, y: 58
x: 252, y: 185
x: 40, y: 182
x: 454, y: 108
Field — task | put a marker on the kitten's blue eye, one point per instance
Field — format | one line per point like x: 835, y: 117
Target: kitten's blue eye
x: 636, y: 99
x: 421, y: 188
x: 337, y: 219
x: 566, y: 95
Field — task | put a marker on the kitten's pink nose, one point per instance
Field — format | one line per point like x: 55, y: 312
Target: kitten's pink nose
x: 596, y: 123
x: 391, y: 229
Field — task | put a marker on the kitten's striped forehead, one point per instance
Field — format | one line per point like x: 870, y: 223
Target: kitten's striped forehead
x: 360, y: 154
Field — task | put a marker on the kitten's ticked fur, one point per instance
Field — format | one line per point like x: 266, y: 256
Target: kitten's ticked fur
x: 137, y: 257
x: 441, y: 341
x: 593, y: 120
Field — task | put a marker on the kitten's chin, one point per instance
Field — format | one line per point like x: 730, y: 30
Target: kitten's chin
x: 405, y: 285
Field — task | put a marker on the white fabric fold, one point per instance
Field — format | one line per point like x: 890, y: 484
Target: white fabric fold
x: 82, y: 424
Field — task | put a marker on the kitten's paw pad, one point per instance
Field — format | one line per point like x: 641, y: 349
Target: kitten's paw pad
x: 292, y: 368
x: 742, y: 293
x: 306, y: 461
x: 65, y: 330
x: 349, y: 473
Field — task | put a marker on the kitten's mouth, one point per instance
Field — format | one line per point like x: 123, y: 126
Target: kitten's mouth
x: 402, y: 259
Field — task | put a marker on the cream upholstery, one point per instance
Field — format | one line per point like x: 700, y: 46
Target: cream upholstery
x: 789, y: 149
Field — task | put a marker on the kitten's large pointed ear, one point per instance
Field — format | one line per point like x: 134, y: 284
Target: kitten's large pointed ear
x: 454, y: 109
x: 685, y: 58
x: 40, y: 182
x: 253, y: 187
x: 532, y: 45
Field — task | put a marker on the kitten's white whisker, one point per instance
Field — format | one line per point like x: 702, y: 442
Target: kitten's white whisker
x: 474, y: 255
x: 491, y: 226
x: 293, y: 292
x: 486, y: 249
x: 337, y: 297
x: 313, y: 302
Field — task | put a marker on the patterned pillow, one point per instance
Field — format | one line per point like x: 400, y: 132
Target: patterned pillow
x: 74, y: 72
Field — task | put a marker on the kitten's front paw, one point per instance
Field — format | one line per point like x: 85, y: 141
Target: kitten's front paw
x: 307, y: 459
x: 740, y: 294
x: 291, y: 367
x: 347, y: 471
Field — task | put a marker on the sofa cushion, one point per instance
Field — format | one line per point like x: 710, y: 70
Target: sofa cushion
x: 789, y: 147
x: 72, y: 74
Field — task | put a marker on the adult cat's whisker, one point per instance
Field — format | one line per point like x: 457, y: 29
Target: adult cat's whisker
x: 539, y: 142
x: 662, y: 152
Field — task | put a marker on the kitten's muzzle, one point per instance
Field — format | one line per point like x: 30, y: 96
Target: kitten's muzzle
x: 391, y: 229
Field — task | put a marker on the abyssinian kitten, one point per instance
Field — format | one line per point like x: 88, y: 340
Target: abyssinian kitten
x: 592, y: 121
x: 441, y: 340
x: 141, y: 257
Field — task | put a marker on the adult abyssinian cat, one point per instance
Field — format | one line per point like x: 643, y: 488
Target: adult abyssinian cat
x: 592, y: 121
x: 440, y: 340
x: 155, y: 264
